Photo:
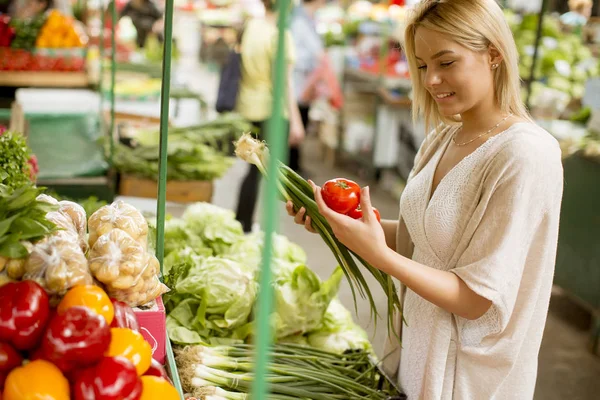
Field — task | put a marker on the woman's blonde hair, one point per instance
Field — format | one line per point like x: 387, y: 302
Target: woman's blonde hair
x: 475, y: 25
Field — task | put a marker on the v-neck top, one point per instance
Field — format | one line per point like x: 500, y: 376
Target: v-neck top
x: 492, y: 221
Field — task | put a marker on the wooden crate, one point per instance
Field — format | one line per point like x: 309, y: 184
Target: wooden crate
x: 177, y: 191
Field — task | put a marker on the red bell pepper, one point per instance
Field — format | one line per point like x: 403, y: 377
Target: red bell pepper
x: 156, y: 369
x: 24, y: 311
x: 9, y: 360
x: 76, y: 338
x: 113, y: 378
x: 124, y: 316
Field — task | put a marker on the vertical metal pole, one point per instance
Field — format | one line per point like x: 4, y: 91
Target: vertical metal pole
x: 165, y: 94
x: 113, y: 72
x: 164, y: 131
x: 538, y: 38
x: 276, y: 137
x: 101, y: 77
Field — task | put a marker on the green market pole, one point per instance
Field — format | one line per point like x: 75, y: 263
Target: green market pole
x: 277, y: 138
x: 165, y: 94
x: 538, y: 39
x: 101, y: 77
x: 113, y: 72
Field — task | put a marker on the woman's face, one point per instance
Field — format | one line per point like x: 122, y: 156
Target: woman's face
x: 457, y: 78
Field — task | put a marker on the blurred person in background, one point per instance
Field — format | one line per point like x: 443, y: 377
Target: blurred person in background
x: 255, y: 98
x: 579, y: 14
x: 146, y: 18
x: 309, y: 51
x: 28, y: 9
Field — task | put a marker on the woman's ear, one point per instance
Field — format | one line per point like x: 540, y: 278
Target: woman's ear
x: 495, y: 58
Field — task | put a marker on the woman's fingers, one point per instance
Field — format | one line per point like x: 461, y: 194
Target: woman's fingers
x: 299, y: 218
x: 289, y: 206
x: 308, y: 225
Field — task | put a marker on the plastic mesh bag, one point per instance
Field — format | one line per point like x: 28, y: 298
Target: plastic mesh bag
x: 128, y: 272
x: 118, y: 215
x: 58, y: 264
x: 69, y: 217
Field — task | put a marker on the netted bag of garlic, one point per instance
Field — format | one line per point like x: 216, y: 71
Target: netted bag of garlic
x: 118, y: 215
x: 125, y: 268
x: 58, y: 264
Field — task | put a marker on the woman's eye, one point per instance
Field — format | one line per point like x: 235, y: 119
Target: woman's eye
x: 422, y: 67
x: 447, y: 64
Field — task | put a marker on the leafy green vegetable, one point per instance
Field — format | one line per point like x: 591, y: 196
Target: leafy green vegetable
x: 338, y: 332
x: 14, y: 156
x: 212, y: 296
x: 248, y: 249
x: 197, y: 152
x: 217, y: 227
x: 302, y: 300
x: 23, y: 219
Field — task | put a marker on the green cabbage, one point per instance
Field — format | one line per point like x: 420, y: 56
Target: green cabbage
x: 338, y: 332
x: 249, y: 248
x: 217, y: 226
x: 302, y: 300
x: 212, y: 296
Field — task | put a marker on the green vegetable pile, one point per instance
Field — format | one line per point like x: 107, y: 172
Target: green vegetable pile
x: 295, y: 372
x: 564, y: 63
x: 22, y: 219
x: 14, y: 156
x: 194, y: 153
x: 212, y: 269
x: 26, y: 31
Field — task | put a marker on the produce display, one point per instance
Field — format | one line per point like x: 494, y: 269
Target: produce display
x: 22, y: 223
x: 294, y: 188
x: 212, y: 267
x: 52, y: 42
x: 118, y: 258
x: 17, y: 165
x: 74, y: 351
x: 295, y: 372
x: 564, y: 62
x: 194, y: 153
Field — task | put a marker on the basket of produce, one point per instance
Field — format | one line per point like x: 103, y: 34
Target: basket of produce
x: 211, y: 268
x: 197, y: 155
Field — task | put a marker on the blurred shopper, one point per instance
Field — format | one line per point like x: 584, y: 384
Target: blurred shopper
x: 28, y: 9
x: 579, y: 14
x: 309, y: 50
x: 146, y: 18
x: 255, y: 98
x: 475, y: 244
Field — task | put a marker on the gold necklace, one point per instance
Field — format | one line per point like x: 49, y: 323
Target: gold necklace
x: 483, y: 134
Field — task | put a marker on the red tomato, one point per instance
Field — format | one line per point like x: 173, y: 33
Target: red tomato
x: 357, y: 213
x: 341, y: 195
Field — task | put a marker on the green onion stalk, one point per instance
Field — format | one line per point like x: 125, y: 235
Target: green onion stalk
x: 296, y: 372
x: 296, y: 189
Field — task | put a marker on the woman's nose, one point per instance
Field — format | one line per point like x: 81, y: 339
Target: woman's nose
x: 432, y: 79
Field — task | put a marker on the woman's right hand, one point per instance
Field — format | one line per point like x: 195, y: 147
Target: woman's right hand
x: 300, y: 217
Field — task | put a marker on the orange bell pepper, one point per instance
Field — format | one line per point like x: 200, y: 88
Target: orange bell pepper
x: 155, y: 388
x: 91, y: 297
x: 38, y: 380
x: 131, y: 345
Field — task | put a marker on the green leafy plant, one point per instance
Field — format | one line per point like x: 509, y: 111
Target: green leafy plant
x: 15, y: 167
x: 22, y: 219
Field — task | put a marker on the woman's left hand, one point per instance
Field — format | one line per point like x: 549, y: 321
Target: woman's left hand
x: 363, y: 236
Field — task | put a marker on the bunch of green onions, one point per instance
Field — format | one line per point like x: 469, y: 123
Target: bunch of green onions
x: 296, y: 372
x: 296, y: 189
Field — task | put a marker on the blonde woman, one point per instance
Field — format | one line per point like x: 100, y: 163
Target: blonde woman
x: 475, y: 245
